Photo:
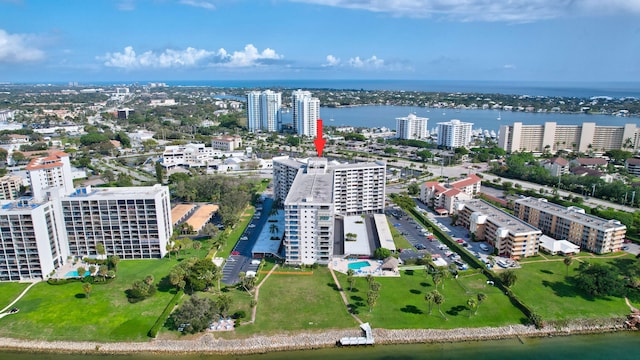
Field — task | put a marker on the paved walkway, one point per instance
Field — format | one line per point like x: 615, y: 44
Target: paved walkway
x: 344, y: 296
x: 4, y: 312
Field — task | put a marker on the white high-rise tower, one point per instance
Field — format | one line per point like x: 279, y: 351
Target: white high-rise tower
x: 263, y: 111
x: 306, y: 111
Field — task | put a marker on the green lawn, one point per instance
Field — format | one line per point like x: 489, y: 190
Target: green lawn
x: 400, y: 241
x: 9, y: 291
x: 401, y: 304
x: 299, y: 302
x: 546, y: 289
x: 61, y: 312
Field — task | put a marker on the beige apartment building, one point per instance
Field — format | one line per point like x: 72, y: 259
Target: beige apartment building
x: 9, y: 187
x: 553, y: 137
x: 511, y: 236
x: 573, y: 224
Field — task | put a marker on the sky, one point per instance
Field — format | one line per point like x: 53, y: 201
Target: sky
x: 170, y: 40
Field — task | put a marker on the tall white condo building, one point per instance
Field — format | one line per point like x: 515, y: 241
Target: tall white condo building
x: 306, y: 112
x: 454, y: 134
x: 412, y: 127
x: 263, y: 111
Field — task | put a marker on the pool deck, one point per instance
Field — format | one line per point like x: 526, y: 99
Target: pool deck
x: 374, y: 268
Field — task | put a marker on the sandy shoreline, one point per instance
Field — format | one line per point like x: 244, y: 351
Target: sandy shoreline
x: 208, y: 344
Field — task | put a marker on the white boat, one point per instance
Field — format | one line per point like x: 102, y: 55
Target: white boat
x: 499, y: 116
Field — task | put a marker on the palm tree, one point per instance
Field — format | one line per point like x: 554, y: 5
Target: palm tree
x: 567, y: 262
x: 437, y: 278
x: 472, y: 303
x: 428, y: 297
x: 438, y: 299
x: 87, y: 287
x: 196, y: 246
x: 372, y: 297
x: 481, y: 298
x: 350, y: 279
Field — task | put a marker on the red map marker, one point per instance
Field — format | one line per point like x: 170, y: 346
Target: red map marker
x: 319, y: 141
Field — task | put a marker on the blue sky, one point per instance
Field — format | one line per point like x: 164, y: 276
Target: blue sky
x: 506, y: 40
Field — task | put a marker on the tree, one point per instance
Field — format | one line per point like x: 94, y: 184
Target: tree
x: 141, y: 289
x: 472, y: 303
x: 81, y: 271
x: 437, y: 278
x: 112, y: 262
x: 508, y: 277
x: 567, y: 262
x: 381, y: 253
x: 599, y: 280
x: 428, y: 297
x: 481, y: 298
x: 197, y: 312
x: 103, y: 270
x: 108, y: 176
x: 159, y: 172
x: 350, y: 278
x: 196, y: 246
x: 100, y: 249
x: 413, y: 189
x: 438, y: 299
x: 223, y: 303
x: 372, y: 298
x: 87, y: 287
x: 92, y: 269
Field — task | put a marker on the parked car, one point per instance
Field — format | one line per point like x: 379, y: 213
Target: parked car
x: 484, y: 247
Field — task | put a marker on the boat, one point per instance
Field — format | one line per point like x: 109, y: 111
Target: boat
x: 499, y: 116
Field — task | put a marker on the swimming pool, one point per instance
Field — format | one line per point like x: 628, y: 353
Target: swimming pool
x: 74, y: 273
x: 358, y: 265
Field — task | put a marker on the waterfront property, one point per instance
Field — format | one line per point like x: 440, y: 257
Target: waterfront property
x: 510, y: 236
x: 587, y: 231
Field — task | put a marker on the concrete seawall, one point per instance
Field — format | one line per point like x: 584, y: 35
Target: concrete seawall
x: 310, y: 340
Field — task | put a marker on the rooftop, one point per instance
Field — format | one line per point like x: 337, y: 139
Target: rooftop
x: 499, y: 217
x: 311, y: 188
x: 136, y: 192
x: 571, y: 213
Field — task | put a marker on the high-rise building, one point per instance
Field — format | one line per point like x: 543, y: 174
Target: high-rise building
x: 263, y: 111
x: 10, y: 187
x: 454, y: 134
x: 571, y: 223
x: 32, y: 245
x: 315, y: 193
x: 38, y: 234
x: 49, y: 172
x: 581, y: 138
x: 306, y: 112
x: 131, y: 222
x: 412, y: 127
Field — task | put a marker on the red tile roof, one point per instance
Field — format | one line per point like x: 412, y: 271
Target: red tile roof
x: 591, y: 161
x: 470, y: 180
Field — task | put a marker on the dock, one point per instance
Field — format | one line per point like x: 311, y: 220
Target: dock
x: 367, y: 339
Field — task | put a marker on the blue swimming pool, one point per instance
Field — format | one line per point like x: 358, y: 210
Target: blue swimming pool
x: 74, y: 273
x: 358, y: 265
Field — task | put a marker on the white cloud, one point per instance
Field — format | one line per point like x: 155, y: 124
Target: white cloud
x: 189, y: 57
x: 16, y: 48
x: 204, y: 4
x: 370, y: 63
x: 250, y: 56
x: 509, y: 67
x: 332, y: 61
x: 486, y: 10
x: 169, y: 58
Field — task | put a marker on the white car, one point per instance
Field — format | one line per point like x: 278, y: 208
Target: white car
x: 252, y: 225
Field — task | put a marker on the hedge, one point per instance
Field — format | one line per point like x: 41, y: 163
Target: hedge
x: 153, y: 332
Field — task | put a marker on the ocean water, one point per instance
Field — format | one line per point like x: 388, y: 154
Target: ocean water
x: 618, y: 346
x: 533, y: 88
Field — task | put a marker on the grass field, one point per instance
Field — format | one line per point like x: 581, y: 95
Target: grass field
x: 401, y: 303
x: 296, y: 302
x: 545, y: 287
x: 62, y: 312
x: 9, y: 291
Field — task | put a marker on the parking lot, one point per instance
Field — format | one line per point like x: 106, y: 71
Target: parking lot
x: 424, y: 242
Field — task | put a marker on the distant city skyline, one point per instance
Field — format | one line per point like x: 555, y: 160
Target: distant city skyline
x: 499, y: 40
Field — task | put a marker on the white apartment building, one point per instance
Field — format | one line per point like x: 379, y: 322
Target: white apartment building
x: 131, y: 222
x: 306, y: 112
x: 581, y: 138
x: 510, y: 236
x: 454, y: 134
x: 53, y: 171
x: 32, y: 244
x: 412, y: 127
x: 38, y: 234
x: 315, y: 193
x: 9, y: 187
x: 6, y: 115
x: 263, y: 111
x: 590, y: 232
x: 309, y: 216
